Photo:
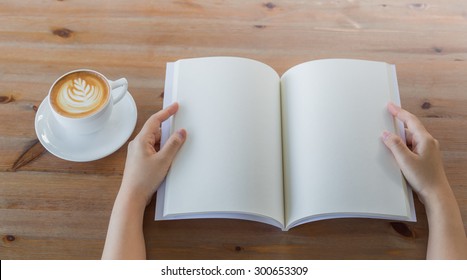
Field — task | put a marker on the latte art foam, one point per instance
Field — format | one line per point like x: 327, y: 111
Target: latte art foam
x: 79, y: 97
x: 79, y: 94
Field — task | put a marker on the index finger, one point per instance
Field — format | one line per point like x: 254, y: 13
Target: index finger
x: 409, y: 120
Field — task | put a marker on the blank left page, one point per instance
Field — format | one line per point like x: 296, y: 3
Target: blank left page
x: 231, y: 161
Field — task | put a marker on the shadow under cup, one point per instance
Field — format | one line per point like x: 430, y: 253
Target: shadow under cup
x: 82, y: 100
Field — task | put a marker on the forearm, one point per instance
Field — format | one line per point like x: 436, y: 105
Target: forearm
x: 125, y: 239
x: 447, y: 238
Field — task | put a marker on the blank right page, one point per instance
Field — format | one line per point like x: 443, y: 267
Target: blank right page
x: 335, y: 164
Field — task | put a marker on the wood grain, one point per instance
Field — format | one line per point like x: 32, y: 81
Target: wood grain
x: 54, y: 209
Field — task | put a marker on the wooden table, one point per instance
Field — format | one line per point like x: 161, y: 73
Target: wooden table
x: 55, y: 209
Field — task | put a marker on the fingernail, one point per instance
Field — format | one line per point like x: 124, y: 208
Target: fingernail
x: 181, y: 133
x: 386, y: 135
x: 393, y: 108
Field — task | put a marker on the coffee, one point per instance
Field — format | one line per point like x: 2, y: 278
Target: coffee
x: 79, y: 94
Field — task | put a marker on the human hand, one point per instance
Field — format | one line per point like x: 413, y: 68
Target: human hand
x: 145, y: 168
x: 420, y: 158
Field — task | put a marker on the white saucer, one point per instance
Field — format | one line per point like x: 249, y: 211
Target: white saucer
x: 87, y: 147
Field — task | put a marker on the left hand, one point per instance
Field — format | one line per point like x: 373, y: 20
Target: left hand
x: 146, y: 168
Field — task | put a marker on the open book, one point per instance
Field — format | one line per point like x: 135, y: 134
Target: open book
x: 283, y: 150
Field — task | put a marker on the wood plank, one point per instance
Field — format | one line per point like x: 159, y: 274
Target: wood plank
x: 56, y: 215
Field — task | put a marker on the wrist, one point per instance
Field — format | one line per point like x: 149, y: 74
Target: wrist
x: 131, y: 197
x: 439, y: 197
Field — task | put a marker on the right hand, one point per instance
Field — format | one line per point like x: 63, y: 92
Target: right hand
x: 420, y: 158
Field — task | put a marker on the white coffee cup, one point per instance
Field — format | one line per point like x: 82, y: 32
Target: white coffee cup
x: 81, y: 100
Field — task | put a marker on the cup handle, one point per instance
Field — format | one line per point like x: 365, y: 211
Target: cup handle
x: 122, y: 86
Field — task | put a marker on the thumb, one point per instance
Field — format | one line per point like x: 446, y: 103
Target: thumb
x: 398, y: 148
x: 172, y: 146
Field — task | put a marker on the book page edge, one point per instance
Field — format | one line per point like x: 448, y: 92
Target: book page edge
x: 165, y: 133
x: 399, y: 128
